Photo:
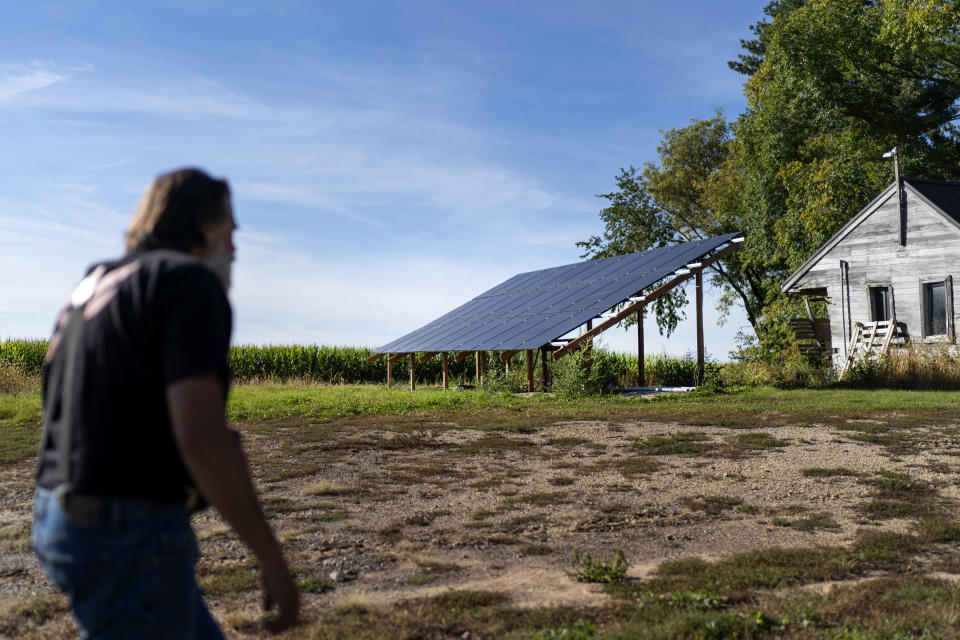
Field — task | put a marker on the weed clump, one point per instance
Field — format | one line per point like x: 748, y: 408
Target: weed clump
x: 930, y: 367
x: 586, y: 568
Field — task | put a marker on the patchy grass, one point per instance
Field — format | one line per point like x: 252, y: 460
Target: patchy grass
x: 20, y: 617
x: 774, y: 568
x: 683, y: 444
x: 314, y: 585
x: 639, y: 466
x: 820, y: 472
x: 711, y: 505
x: 536, y: 549
x: 812, y: 522
x: 749, y: 443
x: 227, y: 579
x: 15, y: 537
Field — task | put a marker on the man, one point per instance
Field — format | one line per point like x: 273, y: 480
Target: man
x: 135, y: 436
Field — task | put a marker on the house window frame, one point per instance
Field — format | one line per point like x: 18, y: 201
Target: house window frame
x: 891, y: 301
x: 949, y: 334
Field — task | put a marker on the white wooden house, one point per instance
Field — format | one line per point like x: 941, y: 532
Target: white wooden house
x: 888, y: 275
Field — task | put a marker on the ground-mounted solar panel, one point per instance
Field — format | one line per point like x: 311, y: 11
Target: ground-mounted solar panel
x: 535, y: 308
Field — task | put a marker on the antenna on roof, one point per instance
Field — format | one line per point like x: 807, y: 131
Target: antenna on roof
x: 893, y: 153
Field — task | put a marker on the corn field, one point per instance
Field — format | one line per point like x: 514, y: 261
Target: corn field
x: 348, y: 365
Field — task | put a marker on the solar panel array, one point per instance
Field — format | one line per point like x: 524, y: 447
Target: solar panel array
x: 532, y: 309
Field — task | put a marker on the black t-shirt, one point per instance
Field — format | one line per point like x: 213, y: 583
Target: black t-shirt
x: 156, y: 317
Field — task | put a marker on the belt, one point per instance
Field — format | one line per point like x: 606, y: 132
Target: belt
x: 90, y: 511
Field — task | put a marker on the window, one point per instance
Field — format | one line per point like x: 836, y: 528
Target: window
x: 880, y: 304
x: 935, y: 309
x: 936, y: 298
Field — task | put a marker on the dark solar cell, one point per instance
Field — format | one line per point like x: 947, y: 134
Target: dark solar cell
x: 532, y: 309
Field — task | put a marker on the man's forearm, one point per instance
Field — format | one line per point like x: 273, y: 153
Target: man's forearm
x: 219, y: 468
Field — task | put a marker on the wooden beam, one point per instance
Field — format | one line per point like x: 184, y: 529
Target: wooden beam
x: 506, y: 355
x: 463, y: 355
x: 396, y: 356
x: 446, y: 371
x: 427, y: 356
x: 376, y: 357
x: 700, y: 353
x: 389, y: 371
x: 641, y: 373
x: 413, y: 372
x: 529, y: 369
x: 648, y: 298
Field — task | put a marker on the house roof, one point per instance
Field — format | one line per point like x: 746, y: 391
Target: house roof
x: 533, y: 309
x: 943, y: 197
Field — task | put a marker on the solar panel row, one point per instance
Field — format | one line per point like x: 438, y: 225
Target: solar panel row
x: 532, y: 309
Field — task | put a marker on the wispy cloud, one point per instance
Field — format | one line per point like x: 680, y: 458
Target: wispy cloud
x: 16, y: 80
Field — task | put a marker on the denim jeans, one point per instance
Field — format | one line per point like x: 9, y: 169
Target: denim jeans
x: 129, y: 575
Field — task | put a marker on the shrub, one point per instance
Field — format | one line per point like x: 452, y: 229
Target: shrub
x: 589, y: 569
x: 585, y: 373
x: 789, y: 370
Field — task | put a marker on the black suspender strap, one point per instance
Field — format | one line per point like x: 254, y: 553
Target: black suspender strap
x: 69, y: 394
x: 63, y: 384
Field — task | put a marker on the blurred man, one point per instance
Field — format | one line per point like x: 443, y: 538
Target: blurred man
x: 135, y: 436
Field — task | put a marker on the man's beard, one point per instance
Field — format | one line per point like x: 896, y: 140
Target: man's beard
x: 221, y: 263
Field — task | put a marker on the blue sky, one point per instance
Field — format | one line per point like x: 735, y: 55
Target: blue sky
x: 389, y: 160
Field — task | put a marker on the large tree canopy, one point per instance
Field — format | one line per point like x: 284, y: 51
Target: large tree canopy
x: 832, y: 85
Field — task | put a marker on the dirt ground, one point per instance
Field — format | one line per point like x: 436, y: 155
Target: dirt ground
x: 389, y: 510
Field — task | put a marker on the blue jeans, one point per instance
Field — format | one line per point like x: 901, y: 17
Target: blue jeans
x: 130, y: 574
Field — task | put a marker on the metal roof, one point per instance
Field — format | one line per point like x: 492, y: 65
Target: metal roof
x: 532, y: 309
x: 944, y: 195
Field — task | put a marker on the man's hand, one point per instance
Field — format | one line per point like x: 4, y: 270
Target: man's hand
x: 279, y: 592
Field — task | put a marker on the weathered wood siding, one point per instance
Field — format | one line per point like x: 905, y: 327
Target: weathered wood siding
x: 875, y: 258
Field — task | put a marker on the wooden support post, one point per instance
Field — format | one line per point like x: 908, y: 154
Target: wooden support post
x: 389, y: 370
x: 413, y: 372
x: 546, y: 372
x: 588, y: 346
x: 481, y: 367
x: 529, y: 369
x: 700, y: 354
x: 641, y: 374
x: 446, y: 371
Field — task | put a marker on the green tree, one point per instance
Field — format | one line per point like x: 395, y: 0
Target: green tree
x: 842, y: 81
x: 692, y: 193
x: 832, y: 85
x: 748, y: 63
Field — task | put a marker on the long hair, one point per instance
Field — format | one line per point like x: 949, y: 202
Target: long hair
x: 175, y: 209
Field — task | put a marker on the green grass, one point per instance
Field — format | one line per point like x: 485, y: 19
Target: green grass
x: 21, y: 416
x: 325, y: 407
